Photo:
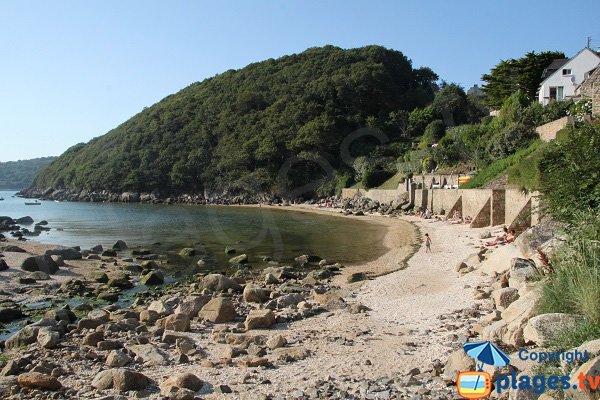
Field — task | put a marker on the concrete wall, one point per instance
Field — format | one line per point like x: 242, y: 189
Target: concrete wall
x: 486, y: 207
x: 548, y: 131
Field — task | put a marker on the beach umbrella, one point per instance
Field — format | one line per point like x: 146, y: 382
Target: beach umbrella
x: 486, y: 353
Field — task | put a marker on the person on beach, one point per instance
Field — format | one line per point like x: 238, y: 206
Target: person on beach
x: 427, y: 243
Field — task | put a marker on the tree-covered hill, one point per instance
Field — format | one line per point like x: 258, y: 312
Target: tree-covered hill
x: 232, y: 133
x: 20, y: 174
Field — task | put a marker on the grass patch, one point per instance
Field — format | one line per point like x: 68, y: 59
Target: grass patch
x: 575, y: 336
x: 393, y: 182
x: 525, y: 173
x: 550, y: 369
x: 574, y: 285
x: 498, y: 167
x: 358, y: 185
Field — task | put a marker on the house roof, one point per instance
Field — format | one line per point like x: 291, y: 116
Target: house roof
x: 545, y: 76
x: 554, y: 65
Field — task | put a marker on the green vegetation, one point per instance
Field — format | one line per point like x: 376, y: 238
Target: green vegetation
x: 525, y: 173
x: 499, y: 143
x: 393, y: 182
x: 574, y: 284
x: 20, y: 174
x: 233, y: 133
x: 523, y: 74
x: 519, y: 167
x: 570, y: 178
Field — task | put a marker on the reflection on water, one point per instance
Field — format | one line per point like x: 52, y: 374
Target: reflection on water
x: 281, y: 235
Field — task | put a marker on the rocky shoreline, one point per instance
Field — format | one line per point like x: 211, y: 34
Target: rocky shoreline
x: 357, y: 205
x: 314, y: 329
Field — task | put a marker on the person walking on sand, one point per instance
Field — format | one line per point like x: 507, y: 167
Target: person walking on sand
x: 427, y: 243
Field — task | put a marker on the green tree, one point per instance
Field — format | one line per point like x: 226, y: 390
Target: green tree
x: 452, y: 105
x: 523, y: 74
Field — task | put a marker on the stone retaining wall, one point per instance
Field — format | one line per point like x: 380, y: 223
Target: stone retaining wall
x: 487, y: 207
x: 548, y: 131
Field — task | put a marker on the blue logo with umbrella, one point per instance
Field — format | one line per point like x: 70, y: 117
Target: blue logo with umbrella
x: 477, y: 385
x: 486, y: 353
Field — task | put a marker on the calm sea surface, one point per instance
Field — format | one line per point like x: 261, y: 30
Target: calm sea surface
x: 281, y: 235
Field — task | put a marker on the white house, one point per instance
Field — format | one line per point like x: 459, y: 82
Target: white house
x: 560, y: 84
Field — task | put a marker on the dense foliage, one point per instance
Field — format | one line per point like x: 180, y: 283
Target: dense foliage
x: 20, y: 174
x: 574, y: 283
x: 234, y: 132
x: 524, y: 74
x: 494, y: 139
x: 570, y: 174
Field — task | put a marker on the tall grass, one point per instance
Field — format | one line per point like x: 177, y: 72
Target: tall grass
x: 574, y: 286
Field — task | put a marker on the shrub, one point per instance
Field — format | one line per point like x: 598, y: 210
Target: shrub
x: 574, y: 286
x: 433, y: 132
x: 498, y: 167
x: 509, y: 140
x: 569, y: 174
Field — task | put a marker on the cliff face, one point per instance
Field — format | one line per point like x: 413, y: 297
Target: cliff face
x: 232, y: 133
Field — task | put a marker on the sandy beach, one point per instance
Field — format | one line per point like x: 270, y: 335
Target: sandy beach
x: 413, y: 314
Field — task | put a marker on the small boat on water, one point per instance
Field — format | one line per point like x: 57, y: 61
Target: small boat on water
x: 35, y: 203
x: 1, y: 198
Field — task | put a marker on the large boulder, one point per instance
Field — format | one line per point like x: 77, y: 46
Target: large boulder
x: 67, y: 253
x: 153, y: 278
x: 120, y: 379
x: 3, y: 265
x: 542, y: 328
x: 219, y: 283
x: 160, y: 307
x: 218, y: 310
x: 119, y: 245
x: 150, y: 355
x: 516, y: 315
x: 241, y: 259
x: 61, y: 314
x: 522, y: 270
x: 500, y: 260
x: 255, y: 294
x: 117, y: 359
x: 24, y: 221
x: 187, y: 252
x: 48, y: 338
x: 192, y: 305
x: 120, y: 281
x: 43, y: 263
x: 589, y: 369
x: 537, y: 237
x: 504, y: 297
x: 457, y: 362
x: 181, y: 381
x: 177, y: 323
x: 12, y: 249
x: 24, y: 337
x: 37, y: 380
x: 260, y: 319
x: 289, y: 300
x: 9, y: 314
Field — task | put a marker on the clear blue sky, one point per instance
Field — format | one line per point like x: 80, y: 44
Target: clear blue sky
x: 72, y: 70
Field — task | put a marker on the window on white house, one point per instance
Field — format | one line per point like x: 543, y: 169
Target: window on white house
x: 557, y: 93
x: 567, y: 71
